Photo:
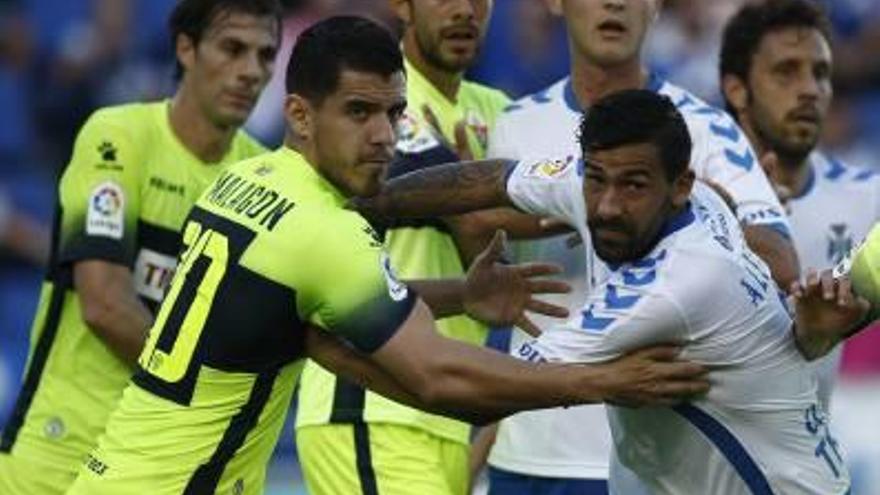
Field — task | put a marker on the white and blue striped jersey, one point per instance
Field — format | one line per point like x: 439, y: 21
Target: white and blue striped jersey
x: 759, y: 430
x: 575, y: 442
x: 835, y: 210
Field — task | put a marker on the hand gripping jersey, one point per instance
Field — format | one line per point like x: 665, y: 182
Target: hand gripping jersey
x: 574, y: 442
x: 426, y: 251
x: 835, y: 210
x: 268, y: 250
x: 759, y: 430
x: 122, y: 199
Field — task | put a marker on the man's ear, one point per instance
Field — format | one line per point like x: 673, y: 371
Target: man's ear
x: 402, y: 9
x: 736, y: 92
x: 682, y: 187
x: 185, y: 49
x: 298, y: 114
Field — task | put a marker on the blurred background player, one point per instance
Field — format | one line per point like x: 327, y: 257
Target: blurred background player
x: 605, y: 42
x: 275, y: 268
x: 776, y: 72
x: 441, y: 39
x: 135, y: 172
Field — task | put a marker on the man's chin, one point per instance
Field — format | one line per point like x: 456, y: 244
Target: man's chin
x: 612, y: 256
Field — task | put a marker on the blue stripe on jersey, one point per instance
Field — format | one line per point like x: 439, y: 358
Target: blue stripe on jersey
x: 655, y: 82
x: 836, y: 170
x: 499, y: 339
x: 808, y: 187
x: 865, y: 175
x: 729, y: 446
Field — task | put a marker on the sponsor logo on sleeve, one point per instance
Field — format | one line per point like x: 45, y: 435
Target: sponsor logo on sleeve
x: 397, y: 290
x: 548, y: 169
x: 153, y: 272
x: 106, y: 211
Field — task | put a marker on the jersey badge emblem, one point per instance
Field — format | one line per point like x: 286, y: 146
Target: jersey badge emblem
x: 105, y: 216
x: 840, y: 242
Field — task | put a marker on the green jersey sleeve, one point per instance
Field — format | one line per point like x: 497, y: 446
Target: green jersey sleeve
x: 99, y: 193
x: 348, y: 286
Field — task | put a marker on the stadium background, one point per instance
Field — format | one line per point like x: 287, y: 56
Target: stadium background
x: 60, y: 59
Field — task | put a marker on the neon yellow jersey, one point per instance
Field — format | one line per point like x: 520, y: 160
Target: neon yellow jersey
x: 425, y: 252
x: 268, y: 249
x: 123, y: 199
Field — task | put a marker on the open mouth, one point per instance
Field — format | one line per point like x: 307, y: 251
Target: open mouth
x: 241, y: 99
x: 460, y: 33
x: 805, y: 117
x: 612, y: 27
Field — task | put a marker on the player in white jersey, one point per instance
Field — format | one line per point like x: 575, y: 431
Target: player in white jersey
x: 605, y: 38
x: 679, y: 270
x: 776, y: 66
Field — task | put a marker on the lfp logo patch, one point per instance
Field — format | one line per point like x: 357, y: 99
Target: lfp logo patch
x: 105, y: 214
x: 549, y: 169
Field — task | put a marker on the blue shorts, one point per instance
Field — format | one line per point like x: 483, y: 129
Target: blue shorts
x: 507, y: 483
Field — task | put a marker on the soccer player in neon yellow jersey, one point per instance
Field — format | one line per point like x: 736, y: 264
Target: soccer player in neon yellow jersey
x: 134, y: 173
x: 276, y: 269
x: 440, y: 41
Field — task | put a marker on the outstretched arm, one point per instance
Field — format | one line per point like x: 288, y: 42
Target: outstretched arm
x: 494, y: 292
x: 449, y: 189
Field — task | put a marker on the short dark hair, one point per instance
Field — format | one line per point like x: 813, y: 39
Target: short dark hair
x: 745, y: 30
x: 193, y: 17
x: 638, y: 116
x: 343, y: 42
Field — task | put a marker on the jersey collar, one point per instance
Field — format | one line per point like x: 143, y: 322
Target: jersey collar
x: 811, y: 180
x: 418, y: 80
x: 672, y: 225
x: 308, y: 172
x: 655, y: 84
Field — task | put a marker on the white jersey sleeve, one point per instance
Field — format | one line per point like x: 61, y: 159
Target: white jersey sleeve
x: 722, y: 154
x: 617, y: 319
x: 549, y: 188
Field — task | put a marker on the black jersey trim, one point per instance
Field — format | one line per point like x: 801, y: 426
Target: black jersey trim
x: 35, y: 370
x: 364, y: 460
x: 205, y: 479
x: 348, y: 402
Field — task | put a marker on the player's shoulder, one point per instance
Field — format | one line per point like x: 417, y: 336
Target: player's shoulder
x: 700, y: 244
x: 486, y: 95
x: 699, y: 114
x: 247, y: 146
x: 133, y: 116
x: 554, y: 98
x: 833, y: 170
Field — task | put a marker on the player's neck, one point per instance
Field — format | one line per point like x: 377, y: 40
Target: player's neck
x: 447, y: 83
x: 793, y: 173
x: 592, y: 82
x: 204, y: 139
